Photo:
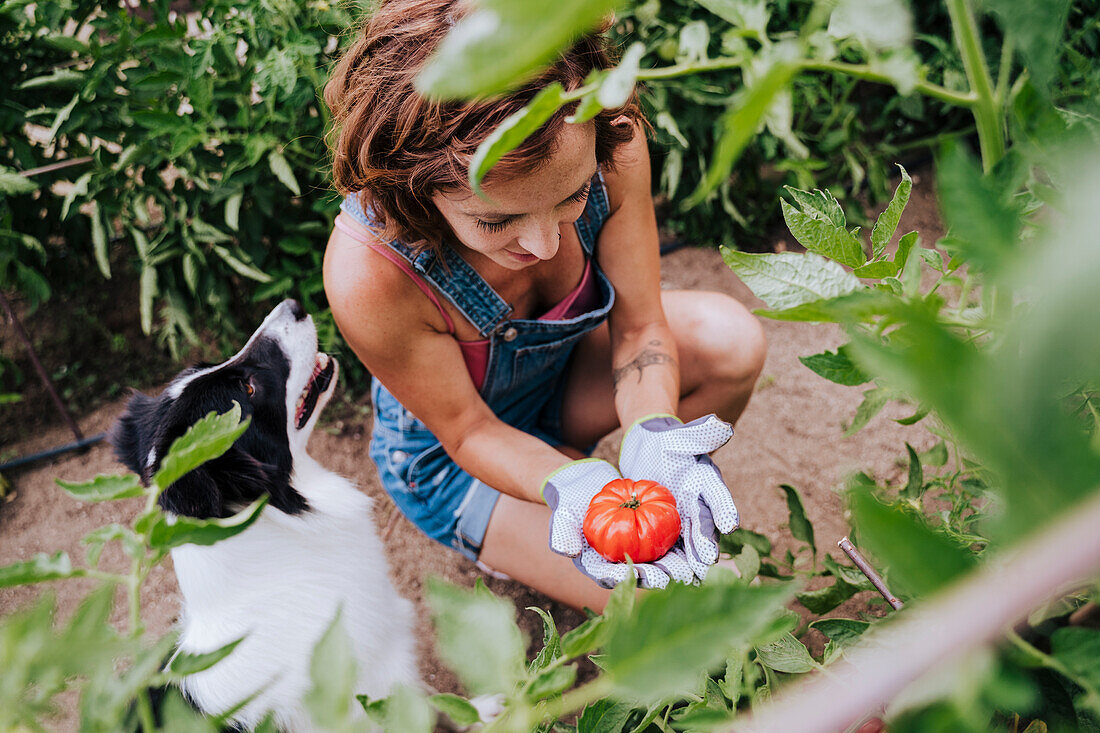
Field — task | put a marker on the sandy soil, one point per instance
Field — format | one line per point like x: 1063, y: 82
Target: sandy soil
x: 791, y: 433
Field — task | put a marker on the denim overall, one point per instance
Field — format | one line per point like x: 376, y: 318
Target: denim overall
x: 524, y: 382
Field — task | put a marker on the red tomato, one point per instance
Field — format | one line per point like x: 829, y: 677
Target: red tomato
x: 635, y: 518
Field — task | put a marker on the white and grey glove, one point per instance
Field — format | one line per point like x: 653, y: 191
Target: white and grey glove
x: 661, y: 448
x: 568, y: 492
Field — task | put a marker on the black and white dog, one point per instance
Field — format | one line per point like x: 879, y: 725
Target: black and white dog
x: 313, y: 550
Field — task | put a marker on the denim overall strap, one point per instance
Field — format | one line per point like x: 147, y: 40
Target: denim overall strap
x: 595, y: 214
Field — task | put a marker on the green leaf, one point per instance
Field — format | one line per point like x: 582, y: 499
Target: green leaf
x: 876, y: 270
x: 62, y: 78
x: 844, y: 631
x: 461, y: 712
x: 731, y: 680
x: 836, y: 367
x: 407, y: 711
x: 502, y: 43
x: 550, y: 682
x: 618, y: 84
x: 858, y: 306
x: 603, y: 716
x: 620, y: 605
x: 749, y: 14
x: 105, y: 488
x: 983, y: 219
x: 681, y: 631
x: 39, y: 569
x: 826, y: 599
x: 818, y: 204
x: 739, y: 126
x: 734, y: 542
x: 920, y: 559
x: 888, y: 220
x: 1078, y: 649
x: 95, y: 540
x: 183, y: 664
x: 551, y: 641
x: 588, y: 636
x: 800, y: 526
x: 333, y: 672
x: 787, y: 279
x: 1036, y: 29
x: 748, y: 563
x: 13, y: 184
x: 233, y: 210
x: 513, y: 131
x: 239, y: 266
x: 477, y: 637
x: 873, y: 402
x: 61, y: 117
x: 147, y: 293
x: 283, y: 171
x: 787, y: 654
x: 823, y: 237
x: 99, y: 242
x: 207, y: 439
x: 905, y: 245
x: 914, y: 487
x: 169, y: 531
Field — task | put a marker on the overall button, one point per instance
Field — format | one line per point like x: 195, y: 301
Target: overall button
x: 510, y: 334
x: 399, y: 456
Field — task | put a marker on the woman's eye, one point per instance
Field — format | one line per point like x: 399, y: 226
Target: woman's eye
x: 581, y: 195
x: 492, y: 226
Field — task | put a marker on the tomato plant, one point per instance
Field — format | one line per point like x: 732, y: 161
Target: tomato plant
x: 635, y: 519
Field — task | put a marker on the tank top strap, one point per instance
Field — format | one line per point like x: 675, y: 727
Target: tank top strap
x: 451, y: 275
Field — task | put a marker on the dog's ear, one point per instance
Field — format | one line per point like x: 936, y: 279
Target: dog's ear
x: 133, y: 434
x: 195, y: 494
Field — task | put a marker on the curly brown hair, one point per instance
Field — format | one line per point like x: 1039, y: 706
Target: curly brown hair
x: 394, y: 147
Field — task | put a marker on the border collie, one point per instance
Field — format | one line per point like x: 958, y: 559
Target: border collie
x: 314, y: 548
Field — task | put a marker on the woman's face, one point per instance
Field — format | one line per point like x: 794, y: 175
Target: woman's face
x: 519, y: 228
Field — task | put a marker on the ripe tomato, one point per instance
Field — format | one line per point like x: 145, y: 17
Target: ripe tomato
x: 635, y: 518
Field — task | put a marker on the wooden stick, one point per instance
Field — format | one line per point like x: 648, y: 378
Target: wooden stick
x: 46, y: 381
x: 865, y: 567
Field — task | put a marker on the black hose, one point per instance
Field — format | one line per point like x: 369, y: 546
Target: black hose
x: 16, y: 463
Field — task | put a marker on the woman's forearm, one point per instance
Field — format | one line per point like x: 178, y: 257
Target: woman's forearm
x: 509, y: 460
x: 645, y: 373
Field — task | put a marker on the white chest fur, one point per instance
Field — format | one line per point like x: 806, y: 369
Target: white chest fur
x: 279, y: 584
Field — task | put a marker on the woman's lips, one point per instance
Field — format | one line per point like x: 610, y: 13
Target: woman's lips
x: 522, y: 256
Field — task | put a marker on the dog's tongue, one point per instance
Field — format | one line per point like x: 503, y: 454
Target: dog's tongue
x: 318, y: 382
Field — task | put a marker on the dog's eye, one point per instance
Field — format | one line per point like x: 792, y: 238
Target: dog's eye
x: 248, y: 388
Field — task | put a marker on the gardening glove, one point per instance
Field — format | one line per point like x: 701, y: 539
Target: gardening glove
x: 661, y: 448
x: 568, y: 492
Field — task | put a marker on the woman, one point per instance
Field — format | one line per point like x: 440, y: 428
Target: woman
x: 507, y: 336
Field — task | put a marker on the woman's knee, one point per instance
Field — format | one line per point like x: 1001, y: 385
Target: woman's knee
x: 717, y: 335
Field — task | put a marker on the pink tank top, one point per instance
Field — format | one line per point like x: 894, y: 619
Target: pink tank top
x: 580, y: 300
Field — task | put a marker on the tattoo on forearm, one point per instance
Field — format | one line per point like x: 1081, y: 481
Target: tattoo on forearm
x: 650, y: 355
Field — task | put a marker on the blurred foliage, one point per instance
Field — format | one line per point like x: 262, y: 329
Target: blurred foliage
x: 184, y: 144
x: 828, y: 130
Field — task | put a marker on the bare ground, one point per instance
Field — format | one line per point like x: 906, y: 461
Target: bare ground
x: 791, y: 433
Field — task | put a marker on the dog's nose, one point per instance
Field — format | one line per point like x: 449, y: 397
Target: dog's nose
x: 296, y: 309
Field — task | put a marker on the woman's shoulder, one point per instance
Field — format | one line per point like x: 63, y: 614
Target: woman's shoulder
x: 361, y: 281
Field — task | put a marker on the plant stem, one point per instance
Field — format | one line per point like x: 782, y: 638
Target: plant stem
x: 986, y: 110
x: 865, y: 72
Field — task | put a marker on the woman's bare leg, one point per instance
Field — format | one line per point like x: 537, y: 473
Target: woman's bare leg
x: 517, y: 543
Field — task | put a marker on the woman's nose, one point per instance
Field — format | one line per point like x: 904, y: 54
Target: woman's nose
x: 541, y: 241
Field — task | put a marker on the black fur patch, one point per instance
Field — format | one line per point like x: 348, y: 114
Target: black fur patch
x: 258, y: 463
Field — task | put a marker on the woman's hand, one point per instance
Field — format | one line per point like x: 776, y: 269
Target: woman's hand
x: 663, y: 449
